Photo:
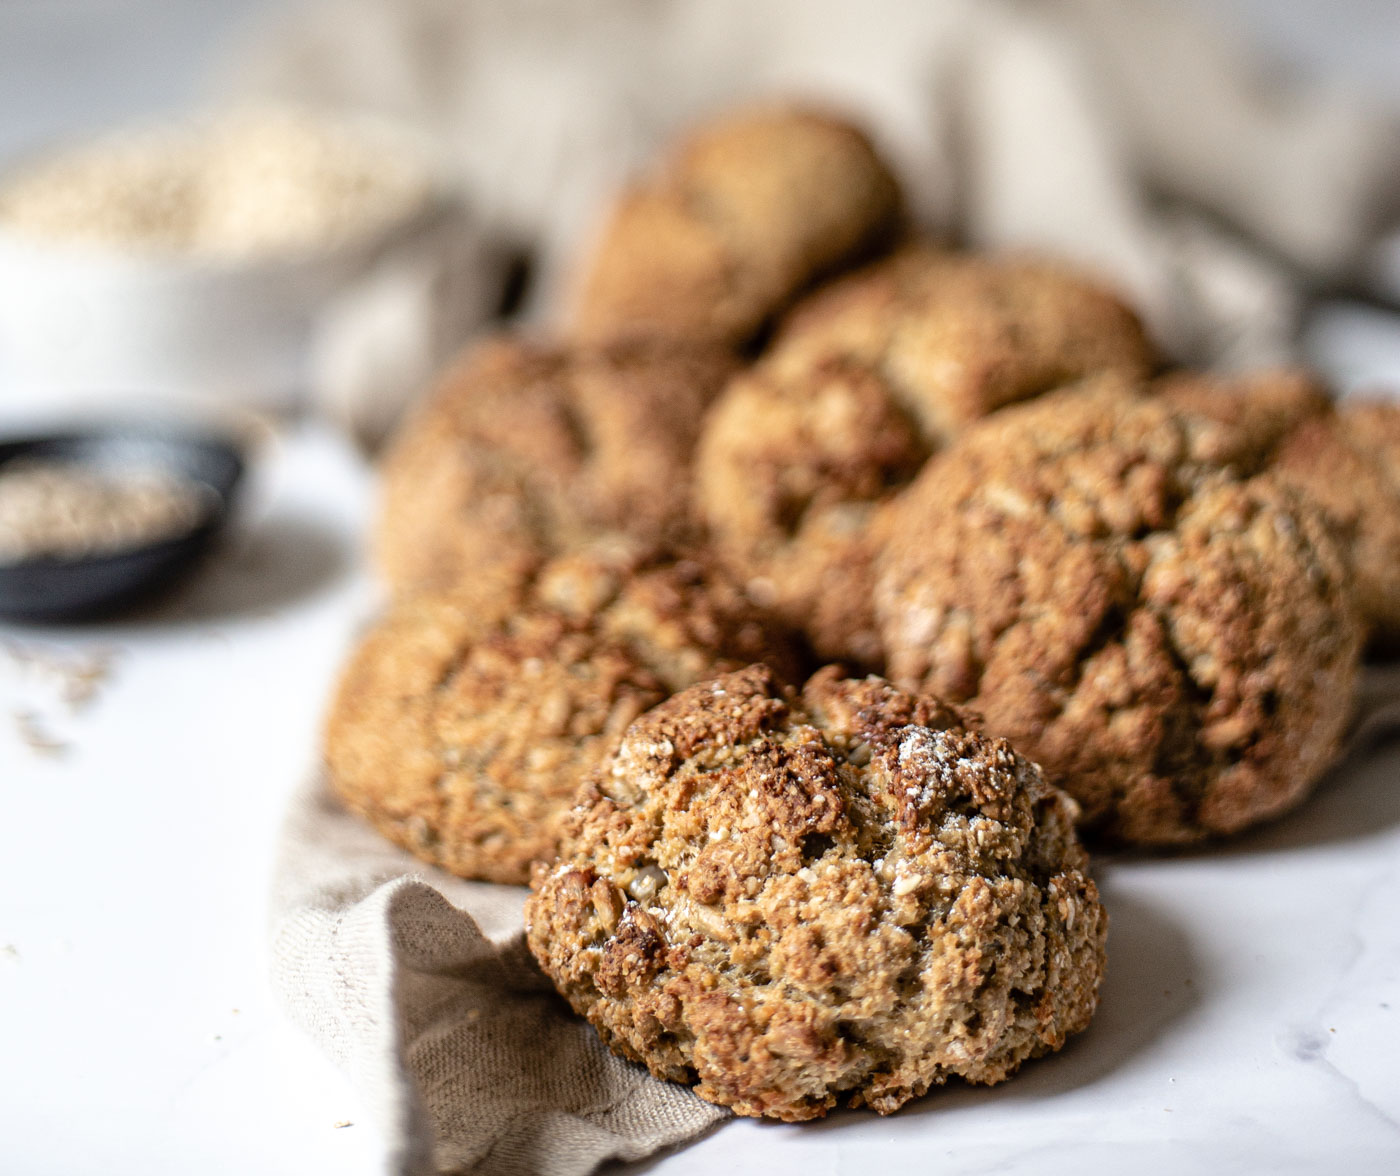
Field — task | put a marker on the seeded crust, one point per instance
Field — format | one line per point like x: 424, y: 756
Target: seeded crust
x: 843, y: 898
x: 1347, y: 460
x: 528, y: 451
x: 1265, y: 407
x: 955, y: 336
x: 747, y: 211
x: 1175, y: 643
x: 869, y: 377
x: 461, y: 727
x: 1349, y: 463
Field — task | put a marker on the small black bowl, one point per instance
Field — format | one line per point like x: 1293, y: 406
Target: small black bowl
x: 51, y: 589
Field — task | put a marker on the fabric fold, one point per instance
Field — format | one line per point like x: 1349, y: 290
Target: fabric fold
x: 420, y: 986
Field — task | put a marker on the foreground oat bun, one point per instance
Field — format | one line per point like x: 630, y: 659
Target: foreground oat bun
x: 846, y: 897
x: 1350, y: 464
x: 745, y: 212
x: 527, y: 451
x: 869, y: 377
x: 1174, y: 641
x: 463, y: 724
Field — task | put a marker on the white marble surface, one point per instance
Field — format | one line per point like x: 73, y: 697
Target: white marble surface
x: 136, y: 1032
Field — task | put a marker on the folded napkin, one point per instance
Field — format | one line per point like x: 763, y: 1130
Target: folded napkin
x: 420, y: 986
x: 1133, y: 136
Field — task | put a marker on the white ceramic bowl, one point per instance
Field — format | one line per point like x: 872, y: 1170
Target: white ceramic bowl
x: 84, y: 325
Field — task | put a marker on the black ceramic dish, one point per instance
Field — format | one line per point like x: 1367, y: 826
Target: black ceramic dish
x: 76, y: 589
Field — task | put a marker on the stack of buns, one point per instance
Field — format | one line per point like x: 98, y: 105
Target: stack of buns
x: 787, y: 619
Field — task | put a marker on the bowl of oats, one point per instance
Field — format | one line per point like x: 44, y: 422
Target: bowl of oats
x: 94, y: 520
x: 190, y: 259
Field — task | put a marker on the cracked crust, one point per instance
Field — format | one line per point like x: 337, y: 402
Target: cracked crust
x: 1349, y: 463
x: 461, y: 730
x: 747, y: 211
x: 868, y: 378
x: 1174, y: 642
x: 842, y: 897
x: 528, y: 451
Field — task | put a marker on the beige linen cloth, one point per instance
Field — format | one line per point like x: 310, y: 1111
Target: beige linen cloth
x: 420, y: 986
x: 1130, y: 135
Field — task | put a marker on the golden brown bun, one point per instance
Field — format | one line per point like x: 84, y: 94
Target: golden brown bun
x: 1173, y: 641
x: 1349, y: 463
x: 747, y: 211
x: 528, y: 451
x: 870, y: 376
x: 842, y: 897
x: 463, y: 724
